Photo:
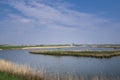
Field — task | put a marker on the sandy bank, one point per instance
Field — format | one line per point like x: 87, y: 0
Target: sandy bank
x: 47, y: 47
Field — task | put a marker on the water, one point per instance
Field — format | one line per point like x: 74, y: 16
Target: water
x: 64, y: 64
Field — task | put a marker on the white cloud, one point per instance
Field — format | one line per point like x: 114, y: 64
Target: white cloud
x: 41, y: 21
x: 24, y: 20
x: 43, y: 14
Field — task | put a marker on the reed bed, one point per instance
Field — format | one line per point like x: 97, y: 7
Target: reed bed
x: 21, y: 71
x: 27, y: 73
x: 96, y: 54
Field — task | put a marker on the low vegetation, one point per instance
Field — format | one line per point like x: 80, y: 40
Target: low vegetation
x: 18, y: 71
x: 10, y: 47
x: 97, y: 54
x: 6, y: 76
x: 11, y: 71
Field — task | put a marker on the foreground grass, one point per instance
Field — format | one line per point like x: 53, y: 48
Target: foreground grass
x: 18, y: 71
x: 6, y: 76
x: 97, y: 54
x: 10, y: 71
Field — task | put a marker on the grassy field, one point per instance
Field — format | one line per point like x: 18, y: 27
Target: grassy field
x: 97, y: 54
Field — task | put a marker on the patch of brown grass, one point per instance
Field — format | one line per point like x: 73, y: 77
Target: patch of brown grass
x: 27, y: 73
x: 20, y: 70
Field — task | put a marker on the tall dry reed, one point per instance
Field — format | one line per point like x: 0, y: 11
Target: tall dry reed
x: 28, y: 73
x: 20, y: 70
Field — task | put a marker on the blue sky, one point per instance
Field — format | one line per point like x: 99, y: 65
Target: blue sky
x: 59, y: 21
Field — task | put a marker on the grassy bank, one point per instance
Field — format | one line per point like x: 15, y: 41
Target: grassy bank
x: 97, y: 54
x: 11, y: 47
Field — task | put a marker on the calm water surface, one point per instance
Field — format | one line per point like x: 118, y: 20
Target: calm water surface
x: 64, y: 64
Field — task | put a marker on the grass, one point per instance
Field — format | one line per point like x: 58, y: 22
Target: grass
x: 11, y: 71
x: 97, y: 54
x: 19, y: 71
x: 11, y: 47
x: 6, y: 76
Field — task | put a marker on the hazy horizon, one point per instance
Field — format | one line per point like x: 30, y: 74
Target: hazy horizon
x: 32, y: 22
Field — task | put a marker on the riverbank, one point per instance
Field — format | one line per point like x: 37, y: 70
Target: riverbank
x: 33, y: 47
x: 45, y: 47
x: 96, y: 54
x: 11, y: 47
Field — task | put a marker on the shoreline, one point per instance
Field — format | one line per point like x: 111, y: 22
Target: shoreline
x: 45, y: 47
x: 95, y: 54
x: 31, y: 47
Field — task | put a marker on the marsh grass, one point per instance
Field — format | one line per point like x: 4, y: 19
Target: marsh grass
x: 11, y: 71
x: 20, y: 71
x: 96, y: 54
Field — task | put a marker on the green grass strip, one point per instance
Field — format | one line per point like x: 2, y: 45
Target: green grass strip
x: 6, y: 76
